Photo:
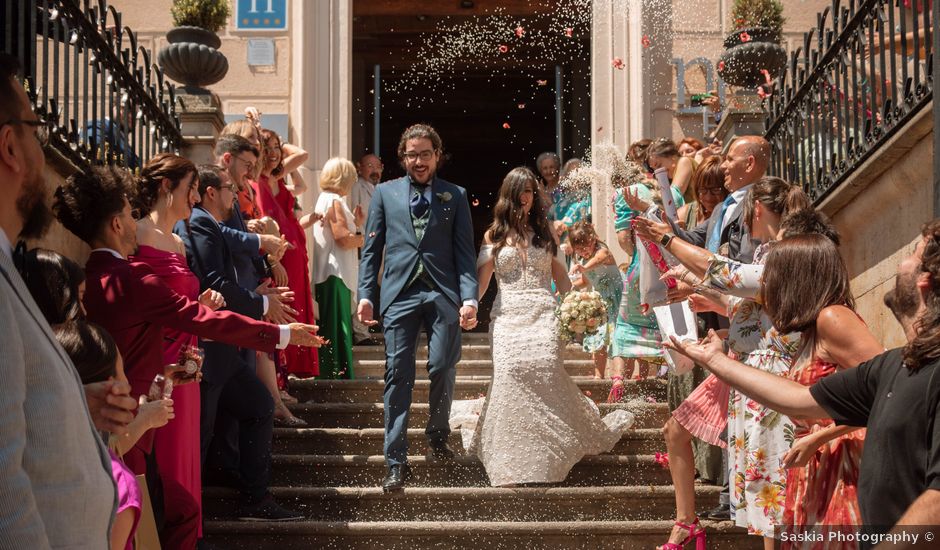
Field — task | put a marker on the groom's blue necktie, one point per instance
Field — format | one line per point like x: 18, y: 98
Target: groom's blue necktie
x: 714, y: 238
x: 419, y: 203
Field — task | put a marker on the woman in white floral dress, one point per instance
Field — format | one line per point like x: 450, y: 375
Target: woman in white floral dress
x: 758, y: 437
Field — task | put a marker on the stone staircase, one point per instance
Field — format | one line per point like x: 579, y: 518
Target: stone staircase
x: 331, y: 471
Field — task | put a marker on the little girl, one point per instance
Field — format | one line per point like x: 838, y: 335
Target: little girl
x: 595, y: 265
x: 96, y: 359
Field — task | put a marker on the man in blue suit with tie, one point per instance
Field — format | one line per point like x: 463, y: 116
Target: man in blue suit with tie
x: 422, y: 224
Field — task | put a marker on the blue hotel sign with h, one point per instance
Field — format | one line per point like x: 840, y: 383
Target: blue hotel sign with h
x: 261, y: 15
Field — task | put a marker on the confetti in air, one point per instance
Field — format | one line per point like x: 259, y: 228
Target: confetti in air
x: 476, y: 202
x: 522, y: 105
x: 745, y: 37
x: 542, y: 82
x: 520, y: 32
x: 618, y: 63
x: 568, y: 32
x: 503, y: 48
x: 645, y: 41
x: 505, y: 125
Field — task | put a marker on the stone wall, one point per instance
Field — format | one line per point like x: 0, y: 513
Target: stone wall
x: 879, y: 212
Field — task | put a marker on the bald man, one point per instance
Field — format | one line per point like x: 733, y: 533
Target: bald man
x: 370, y: 170
x: 725, y: 232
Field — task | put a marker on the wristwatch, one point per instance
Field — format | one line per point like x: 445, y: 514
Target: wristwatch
x: 665, y: 240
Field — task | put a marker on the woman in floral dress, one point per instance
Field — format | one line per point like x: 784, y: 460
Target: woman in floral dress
x: 758, y: 438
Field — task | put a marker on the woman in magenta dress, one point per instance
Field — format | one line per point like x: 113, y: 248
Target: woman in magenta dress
x: 276, y: 201
x: 167, y: 191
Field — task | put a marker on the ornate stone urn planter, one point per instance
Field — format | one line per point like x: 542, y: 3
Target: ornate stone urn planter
x: 749, y: 52
x: 192, y: 57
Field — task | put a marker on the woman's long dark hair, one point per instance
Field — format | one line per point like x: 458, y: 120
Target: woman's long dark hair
x: 802, y: 276
x: 91, y: 349
x: 508, y: 215
x: 53, y: 281
x: 925, y: 347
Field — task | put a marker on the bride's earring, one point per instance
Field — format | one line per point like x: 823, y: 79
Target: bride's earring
x: 169, y: 201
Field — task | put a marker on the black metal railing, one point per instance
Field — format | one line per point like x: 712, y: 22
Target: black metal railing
x: 105, y: 101
x: 860, y: 75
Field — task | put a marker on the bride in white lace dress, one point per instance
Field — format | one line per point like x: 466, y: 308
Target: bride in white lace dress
x: 534, y: 424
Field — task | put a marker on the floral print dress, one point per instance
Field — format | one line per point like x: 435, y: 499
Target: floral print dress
x: 758, y: 437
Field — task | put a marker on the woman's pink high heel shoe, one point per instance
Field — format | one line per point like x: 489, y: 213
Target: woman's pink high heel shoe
x: 696, y: 533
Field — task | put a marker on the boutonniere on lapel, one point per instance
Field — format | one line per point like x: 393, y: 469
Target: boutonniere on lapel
x: 444, y: 197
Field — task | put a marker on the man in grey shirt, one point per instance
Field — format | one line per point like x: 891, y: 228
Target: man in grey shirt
x: 56, y: 487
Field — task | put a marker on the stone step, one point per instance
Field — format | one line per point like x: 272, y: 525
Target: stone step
x: 371, y: 391
x: 371, y: 415
x: 628, y: 503
x: 375, y: 368
x: 351, y: 441
x: 470, y: 535
x: 463, y: 471
x: 468, y: 351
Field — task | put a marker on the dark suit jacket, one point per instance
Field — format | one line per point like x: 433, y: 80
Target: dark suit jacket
x: 212, y: 261
x: 250, y: 263
x: 735, y: 235
x: 446, y: 249
x: 133, y: 304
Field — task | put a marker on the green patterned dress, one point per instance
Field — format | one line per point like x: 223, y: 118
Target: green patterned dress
x: 606, y: 281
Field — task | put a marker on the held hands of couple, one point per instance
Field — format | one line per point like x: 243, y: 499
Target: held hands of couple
x: 468, y: 317
x: 110, y: 405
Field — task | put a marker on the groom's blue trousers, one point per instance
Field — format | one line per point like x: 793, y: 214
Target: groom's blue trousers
x: 418, y: 307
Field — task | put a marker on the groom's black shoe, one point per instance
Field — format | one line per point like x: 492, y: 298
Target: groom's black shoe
x: 440, y: 450
x: 398, y: 474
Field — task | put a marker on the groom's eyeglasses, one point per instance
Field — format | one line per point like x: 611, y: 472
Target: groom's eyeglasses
x: 425, y: 156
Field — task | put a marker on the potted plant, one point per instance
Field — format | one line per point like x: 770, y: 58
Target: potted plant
x: 192, y: 56
x: 754, y: 45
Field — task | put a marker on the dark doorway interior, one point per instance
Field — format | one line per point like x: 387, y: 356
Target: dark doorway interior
x: 489, y: 92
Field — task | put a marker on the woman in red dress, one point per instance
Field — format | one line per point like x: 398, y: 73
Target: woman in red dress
x: 823, y: 463
x: 167, y: 191
x: 276, y: 201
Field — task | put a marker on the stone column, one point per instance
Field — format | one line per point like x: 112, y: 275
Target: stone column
x: 201, y: 122
x: 321, y: 87
x: 628, y: 104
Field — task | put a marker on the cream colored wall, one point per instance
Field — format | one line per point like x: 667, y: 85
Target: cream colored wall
x: 700, y: 27
x: 880, y: 226
x: 267, y: 88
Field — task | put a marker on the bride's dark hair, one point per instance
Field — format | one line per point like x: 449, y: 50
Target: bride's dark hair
x: 508, y: 215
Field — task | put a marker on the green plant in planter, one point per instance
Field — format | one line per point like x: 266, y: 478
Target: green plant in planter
x: 211, y: 15
x: 758, y: 13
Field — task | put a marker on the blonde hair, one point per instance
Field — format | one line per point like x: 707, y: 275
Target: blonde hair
x: 338, y: 176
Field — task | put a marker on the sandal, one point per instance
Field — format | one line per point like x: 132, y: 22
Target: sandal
x: 616, y: 390
x: 696, y: 533
x: 286, y: 419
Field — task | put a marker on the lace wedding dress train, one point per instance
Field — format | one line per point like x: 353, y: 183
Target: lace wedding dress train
x: 534, y: 424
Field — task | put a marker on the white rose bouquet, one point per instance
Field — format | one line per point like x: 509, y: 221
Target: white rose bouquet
x: 580, y: 313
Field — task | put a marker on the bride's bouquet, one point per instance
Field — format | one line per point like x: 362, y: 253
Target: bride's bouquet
x: 580, y: 313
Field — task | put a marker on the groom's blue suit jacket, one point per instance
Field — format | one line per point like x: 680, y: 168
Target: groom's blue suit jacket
x: 447, y: 248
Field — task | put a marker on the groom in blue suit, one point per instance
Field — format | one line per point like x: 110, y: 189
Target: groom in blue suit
x: 422, y: 224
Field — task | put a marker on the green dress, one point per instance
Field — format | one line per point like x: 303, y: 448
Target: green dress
x: 606, y: 281
x: 636, y: 335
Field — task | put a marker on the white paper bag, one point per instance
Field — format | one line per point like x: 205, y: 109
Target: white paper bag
x: 677, y: 320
